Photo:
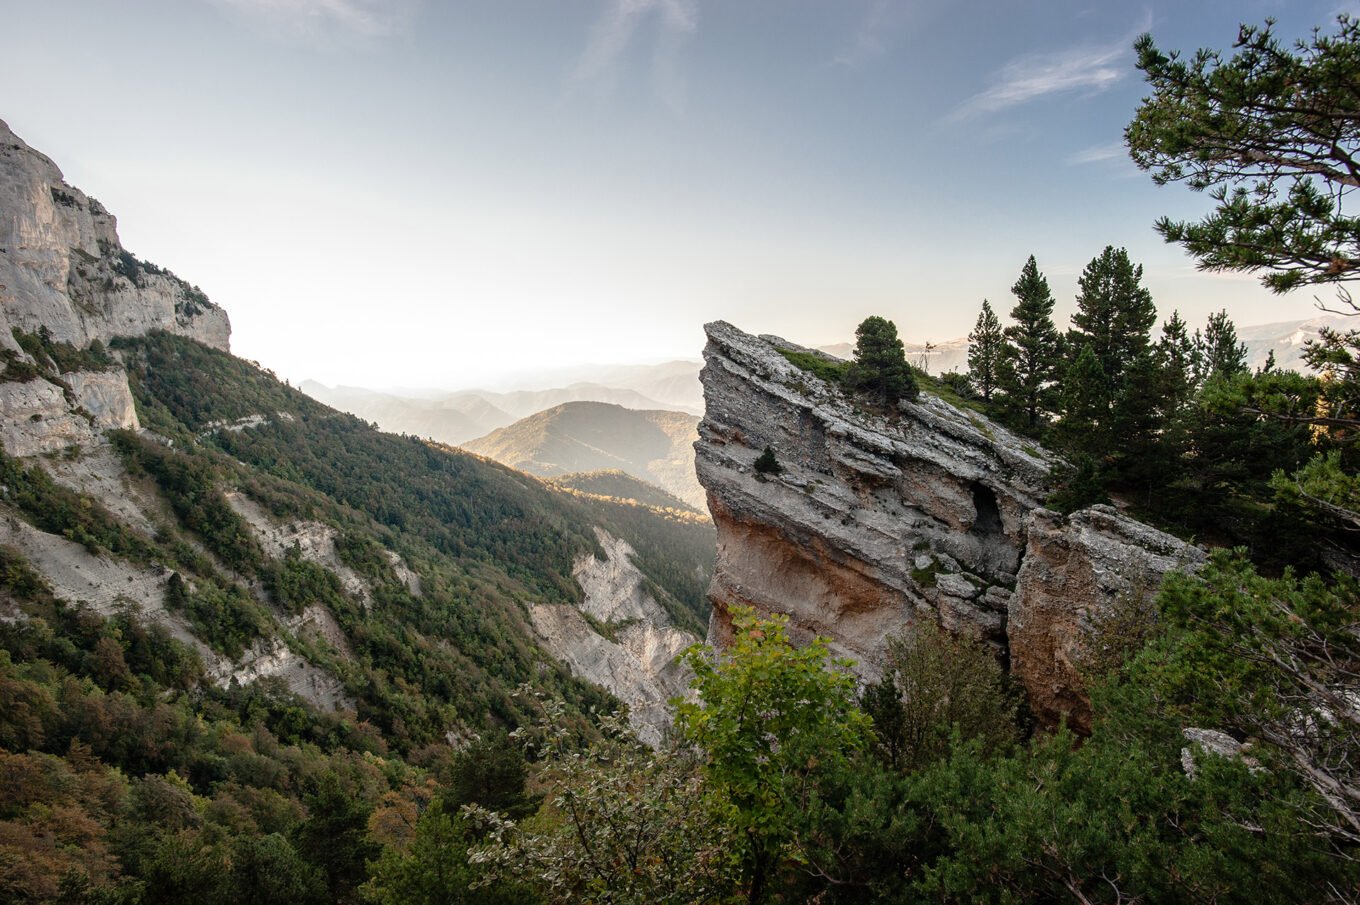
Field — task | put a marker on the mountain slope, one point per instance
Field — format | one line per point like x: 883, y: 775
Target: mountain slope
x: 655, y: 446
x: 236, y: 624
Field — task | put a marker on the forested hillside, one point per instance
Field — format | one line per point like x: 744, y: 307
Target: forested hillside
x: 110, y: 720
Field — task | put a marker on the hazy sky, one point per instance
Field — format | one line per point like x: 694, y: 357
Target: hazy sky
x: 430, y: 193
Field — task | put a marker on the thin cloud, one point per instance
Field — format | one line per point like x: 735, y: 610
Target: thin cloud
x: 1085, y: 69
x: 675, y: 21
x: 361, y: 18
x: 1097, y: 154
x: 868, y: 40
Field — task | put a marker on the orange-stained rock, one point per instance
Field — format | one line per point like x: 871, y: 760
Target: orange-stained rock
x: 876, y: 521
x: 1077, y: 570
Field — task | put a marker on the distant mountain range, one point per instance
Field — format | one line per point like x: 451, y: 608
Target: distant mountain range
x: 654, y: 446
x: 454, y: 418
x: 611, y: 417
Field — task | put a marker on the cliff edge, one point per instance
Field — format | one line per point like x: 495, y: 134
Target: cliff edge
x: 876, y: 521
x: 63, y: 268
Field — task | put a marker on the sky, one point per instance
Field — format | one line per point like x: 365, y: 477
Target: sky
x: 428, y: 193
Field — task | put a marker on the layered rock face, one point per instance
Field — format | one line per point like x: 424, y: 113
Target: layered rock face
x: 63, y: 268
x: 875, y: 522
x: 1078, y: 571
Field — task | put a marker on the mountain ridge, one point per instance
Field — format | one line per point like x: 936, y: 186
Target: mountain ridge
x: 651, y: 445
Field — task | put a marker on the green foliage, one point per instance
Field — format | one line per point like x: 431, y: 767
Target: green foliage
x: 1114, y: 315
x: 621, y: 823
x: 59, y: 510
x: 222, y: 613
x: 767, y: 464
x: 1272, y: 133
x: 296, y: 583
x: 1275, y: 660
x: 190, y: 485
x: 1026, y: 372
x: 434, y: 869
x: 335, y: 838
x: 1079, y: 485
x: 1086, y: 405
x: 121, y: 785
x: 880, y: 368
x: 986, y: 345
x: 771, y: 719
x: 1220, y: 355
x: 938, y: 691
x: 827, y: 368
x: 54, y: 358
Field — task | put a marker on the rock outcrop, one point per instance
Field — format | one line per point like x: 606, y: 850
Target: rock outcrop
x: 62, y: 267
x: 876, y: 521
x: 39, y: 416
x: 1077, y: 571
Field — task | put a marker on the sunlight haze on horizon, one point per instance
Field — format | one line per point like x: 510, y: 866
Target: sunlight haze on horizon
x: 421, y: 194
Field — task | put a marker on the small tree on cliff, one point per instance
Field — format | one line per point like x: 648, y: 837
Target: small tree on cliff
x: 767, y: 463
x: 880, y: 367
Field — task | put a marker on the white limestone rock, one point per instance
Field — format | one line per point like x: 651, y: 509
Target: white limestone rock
x: 63, y: 268
x: 640, y: 664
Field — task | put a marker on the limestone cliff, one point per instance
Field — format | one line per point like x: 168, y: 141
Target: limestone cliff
x: 877, y: 521
x: 63, y: 268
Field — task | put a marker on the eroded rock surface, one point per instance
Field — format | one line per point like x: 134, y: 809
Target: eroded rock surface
x: 638, y: 660
x: 876, y: 521
x: 1077, y: 571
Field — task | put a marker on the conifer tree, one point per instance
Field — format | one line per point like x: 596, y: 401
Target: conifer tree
x: 1029, y: 364
x: 1084, y: 425
x: 1114, y: 319
x: 986, y: 344
x: 1177, y: 363
x: 880, y: 367
x: 1114, y: 314
x: 1221, y: 355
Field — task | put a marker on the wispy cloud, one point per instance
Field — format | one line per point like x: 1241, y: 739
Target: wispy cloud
x: 867, y: 42
x: 317, y: 18
x: 1089, y: 69
x: 674, y: 22
x: 1023, y: 80
x: 1098, y: 154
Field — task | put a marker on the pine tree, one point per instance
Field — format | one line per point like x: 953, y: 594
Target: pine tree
x: 1032, y: 346
x: 986, y: 344
x: 1178, y: 365
x: 1084, y: 425
x: 1114, y: 314
x: 880, y: 367
x: 1221, y: 355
